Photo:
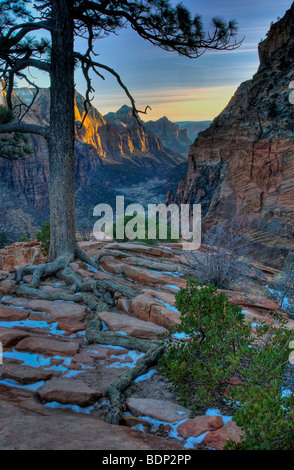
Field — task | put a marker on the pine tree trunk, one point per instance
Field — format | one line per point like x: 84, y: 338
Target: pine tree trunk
x: 62, y: 134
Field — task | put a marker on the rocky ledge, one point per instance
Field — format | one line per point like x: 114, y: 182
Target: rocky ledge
x: 59, y: 369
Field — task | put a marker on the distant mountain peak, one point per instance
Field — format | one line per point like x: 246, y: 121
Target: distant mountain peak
x: 170, y: 134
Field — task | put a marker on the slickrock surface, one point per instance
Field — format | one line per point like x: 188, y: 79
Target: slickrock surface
x: 31, y: 426
x: 54, y: 383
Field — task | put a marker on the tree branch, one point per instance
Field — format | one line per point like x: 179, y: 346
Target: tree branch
x: 24, y: 128
x: 26, y: 28
x: 88, y: 62
x: 169, y: 34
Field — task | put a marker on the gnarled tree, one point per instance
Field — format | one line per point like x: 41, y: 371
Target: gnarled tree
x: 171, y: 28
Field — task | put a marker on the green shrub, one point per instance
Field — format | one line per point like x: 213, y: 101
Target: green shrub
x: 213, y: 344
x: 264, y: 412
x: 43, y: 237
x: 266, y: 417
x: 216, y: 340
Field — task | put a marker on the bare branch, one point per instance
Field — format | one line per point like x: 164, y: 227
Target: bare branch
x: 24, y: 128
x: 88, y: 62
x: 29, y: 27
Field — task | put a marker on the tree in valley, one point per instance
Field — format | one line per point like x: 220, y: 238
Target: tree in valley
x: 3, y: 239
x: 40, y: 35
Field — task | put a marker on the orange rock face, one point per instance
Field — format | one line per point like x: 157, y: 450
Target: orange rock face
x: 102, y: 146
x: 199, y: 425
x: 20, y: 254
x: 245, y: 160
x: 217, y: 439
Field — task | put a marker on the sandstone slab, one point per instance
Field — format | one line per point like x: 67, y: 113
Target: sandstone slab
x: 141, y: 249
x: 146, y: 308
x: 12, y: 314
x: 55, y: 309
x: 162, y: 410
x: 8, y: 287
x: 144, y: 276
x: 9, y: 337
x: 47, y: 346
x: 112, y: 265
x: 124, y: 305
x: 131, y: 326
x: 70, y: 325
x: 164, y: 296
x: 199, y: 425
x: 69, y: 391
x: 49, y: 429
x: 24, y: 374
x: 217, y: 439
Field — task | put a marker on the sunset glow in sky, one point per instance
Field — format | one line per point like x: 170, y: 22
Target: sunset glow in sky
x: 180, y: 88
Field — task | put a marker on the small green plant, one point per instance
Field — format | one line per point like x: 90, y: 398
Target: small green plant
x: 3, y: 239
x: 13, y: 146
x: 43, y: 237
x: 24, y: 238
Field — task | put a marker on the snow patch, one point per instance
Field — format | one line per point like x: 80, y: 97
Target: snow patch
x: 15, y: 384
x: 167, y: 305
x: 147, y: 376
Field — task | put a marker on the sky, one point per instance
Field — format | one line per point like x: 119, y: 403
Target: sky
x: 177, y: 87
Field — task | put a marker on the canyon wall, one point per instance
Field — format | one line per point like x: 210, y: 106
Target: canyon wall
x: 108, y: 154
x: 244, y: 162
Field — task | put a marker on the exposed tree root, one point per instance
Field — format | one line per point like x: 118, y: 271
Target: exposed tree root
x: 39, y: 294
x: 41, y: 270
x: 82, y: 255
x: 126, y: 378
x: 70, y: 277
x: 60, y: 267
x: 152, y: 348
x: 103, y: 297
x: 110, y: 285
x: 93, y: 335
